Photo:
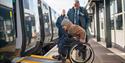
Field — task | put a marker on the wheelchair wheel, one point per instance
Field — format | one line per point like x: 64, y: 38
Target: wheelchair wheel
x: 80, y: 53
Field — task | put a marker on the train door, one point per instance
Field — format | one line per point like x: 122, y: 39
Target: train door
x: 47, y: 23
x: 54, y: 19
x: 32, y: 26
x: 29, y: 29
x: 7, y: 29
x: 51, y: 23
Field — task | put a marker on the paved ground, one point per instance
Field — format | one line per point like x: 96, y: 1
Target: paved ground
x: 103, y: 55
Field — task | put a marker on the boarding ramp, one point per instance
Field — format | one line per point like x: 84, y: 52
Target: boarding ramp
x: 47, y: 58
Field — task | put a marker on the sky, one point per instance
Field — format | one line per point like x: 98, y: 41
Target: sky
x: 58, y: 5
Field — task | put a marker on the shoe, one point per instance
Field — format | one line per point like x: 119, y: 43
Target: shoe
x: 63, y: 60
x: 58, y: 57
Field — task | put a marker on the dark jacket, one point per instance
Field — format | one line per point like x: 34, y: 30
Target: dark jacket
x: 81, y: 18
x: 58, y: 24
x: 62, y: 44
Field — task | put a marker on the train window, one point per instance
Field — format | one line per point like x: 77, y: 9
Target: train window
x: 26, y: 4
x: 29, y: 28
x: 112, y: 24
x: 47, y: 22
x: 54, y: 18
x: 119, y: 6
x: 7, y: 31
x: 45, y: 6
x: 119, y: 22
x: 7, y: 3
x: 124, y: 4
x: 112, y: 8
x: 31, y: 23
x: 46, y: 17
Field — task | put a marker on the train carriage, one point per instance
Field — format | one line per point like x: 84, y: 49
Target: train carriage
x: 26, y: 27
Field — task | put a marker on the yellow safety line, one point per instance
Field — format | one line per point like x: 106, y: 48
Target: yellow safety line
x: 29, y: 61
x: 20, y: 59
x: 42, y: 57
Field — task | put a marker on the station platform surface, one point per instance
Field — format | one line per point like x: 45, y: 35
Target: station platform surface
x: 102, y: 54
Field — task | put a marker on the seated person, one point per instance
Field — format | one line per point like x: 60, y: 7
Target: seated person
x: 74, y: 30
x: 71, y: 30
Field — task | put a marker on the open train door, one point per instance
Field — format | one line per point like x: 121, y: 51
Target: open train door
x: 28, y: 28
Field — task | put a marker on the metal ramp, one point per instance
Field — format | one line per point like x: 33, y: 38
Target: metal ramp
x: 37, y: 60
x: 47, y: 58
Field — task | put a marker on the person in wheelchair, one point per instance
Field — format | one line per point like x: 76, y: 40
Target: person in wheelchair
x: 76, y: 31
x: 72, y: 32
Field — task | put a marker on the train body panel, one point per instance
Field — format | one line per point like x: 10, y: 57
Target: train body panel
x: 26, y: 25
x: 7, y: 29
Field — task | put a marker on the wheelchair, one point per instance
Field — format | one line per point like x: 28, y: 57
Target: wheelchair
x: 77, y: 52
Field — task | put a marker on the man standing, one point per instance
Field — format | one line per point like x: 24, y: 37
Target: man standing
x: 61, y: 32
x: 78, y: 15
x: 58, y: 23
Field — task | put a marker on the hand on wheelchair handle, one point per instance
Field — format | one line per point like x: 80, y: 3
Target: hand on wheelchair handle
x: 82, y: 41
x: 79, y: 40
x: 85, y: 43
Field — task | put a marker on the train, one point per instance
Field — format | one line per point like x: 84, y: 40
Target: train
x: 26, y: 27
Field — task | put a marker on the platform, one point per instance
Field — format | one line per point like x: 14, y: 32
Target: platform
x: 102, y: 55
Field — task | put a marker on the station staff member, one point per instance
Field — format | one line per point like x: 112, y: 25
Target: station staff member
x: 79, y: 15
x: 58, y: 23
